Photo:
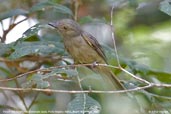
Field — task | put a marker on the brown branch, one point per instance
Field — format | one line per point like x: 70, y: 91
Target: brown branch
x: 20, y: 95
x: 149, y: 84
x: 89, y: 65
x: 49, y: 69
x: 33, y: 101
x: 113, y: 36
x: 135, y: 77
x: 11, y: 26
x: 2, y: 25
x: 84, y: 91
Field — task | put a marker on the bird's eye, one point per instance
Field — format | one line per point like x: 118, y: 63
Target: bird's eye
x: 65, y: 28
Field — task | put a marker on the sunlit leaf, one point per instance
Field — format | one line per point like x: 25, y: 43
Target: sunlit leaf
x: 165, y: 6
x: 83, y: 104
x: 12, y: 13
x: 38, y: 48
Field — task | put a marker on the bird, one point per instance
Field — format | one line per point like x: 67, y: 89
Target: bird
x: 84, y: 49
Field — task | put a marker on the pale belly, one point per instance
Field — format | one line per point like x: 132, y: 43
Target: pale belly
x: 81, y: 52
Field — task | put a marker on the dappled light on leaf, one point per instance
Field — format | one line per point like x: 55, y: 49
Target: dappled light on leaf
x: 83, y: 103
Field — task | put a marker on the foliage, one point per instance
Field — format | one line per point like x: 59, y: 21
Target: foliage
x: 38, y: 59
x: 165, y: 6
x: 78, y: 105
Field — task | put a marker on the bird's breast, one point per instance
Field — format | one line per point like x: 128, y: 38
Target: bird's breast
x: 80, y: 51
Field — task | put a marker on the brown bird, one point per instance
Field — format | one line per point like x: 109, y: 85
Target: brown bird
x: 84, y: 49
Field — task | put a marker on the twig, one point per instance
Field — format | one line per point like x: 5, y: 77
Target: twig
x: 84, y: 91
x: 113, y: 35
x: 149, y: 84
x: 84, y: 95
x: 157, y: 96
x: 137, y: 78
x: 89, y: 65
x: 20, y: 95
x: 76, y: 4
x: 46, y: 70
x: 11, y: 26
x: 2, y: 26
x: 33, y: 101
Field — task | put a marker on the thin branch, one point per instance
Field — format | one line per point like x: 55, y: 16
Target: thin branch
x: 11, y: 21
x: 2, y: 25
x: 149, y: 84
x: 45, y: 70
x: 20, y: 95
x: 84, y: 91
x: 11, y: 26
x: 88, y: 91
x: 50, y: 68
x: 76, y: 6
x: 21, y: 21
x: 113, y: 35
x: 84, y: 95
x: 157, y: 96
x: 80, y: 65
x: 135, y: 77
x: 33, y: 101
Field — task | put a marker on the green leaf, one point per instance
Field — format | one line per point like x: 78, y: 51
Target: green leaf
x: 11, y: 13
x: 83, y: 104
x: 133, y: 3
x: 165, y: 6
x: 32, y: 33
x: 39, y: 48
x: 148, y: 72
x: 4, y: 49
x: 67, y: 72
x: 4, y: 71
x: 36, y: 81
x: 161, y: 75
x: 11, y: 108
x: 50, y: 5
x: 136, y: 68
x: 33, y: 30
x: 86, y: 19
x: 89, y: 19
x: 42, y: 84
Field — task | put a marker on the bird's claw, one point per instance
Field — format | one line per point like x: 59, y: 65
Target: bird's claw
x: 94, y: 64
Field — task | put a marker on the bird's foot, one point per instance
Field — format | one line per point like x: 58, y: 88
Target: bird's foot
x: 94, y: 64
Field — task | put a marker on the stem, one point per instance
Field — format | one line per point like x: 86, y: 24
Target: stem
x: 34, y: 100
x: 84, y: 95
x: 76, y: 4
x: 11, y: 26
x: 113, y: 36
x: 20, y: 95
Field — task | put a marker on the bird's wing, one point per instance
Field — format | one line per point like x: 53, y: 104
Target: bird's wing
x: 94, y: 44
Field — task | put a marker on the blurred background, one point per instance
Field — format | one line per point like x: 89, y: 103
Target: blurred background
x: 142, y: 31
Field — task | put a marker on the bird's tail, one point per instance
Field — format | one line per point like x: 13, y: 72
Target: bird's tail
x: 110, y: 78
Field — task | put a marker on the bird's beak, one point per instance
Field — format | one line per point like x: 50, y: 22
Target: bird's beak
x: 53, y: 24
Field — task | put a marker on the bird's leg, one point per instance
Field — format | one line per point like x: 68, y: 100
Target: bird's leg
x: 94, y: 64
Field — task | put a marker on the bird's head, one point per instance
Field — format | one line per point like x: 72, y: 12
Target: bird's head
x: 67, y: 27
